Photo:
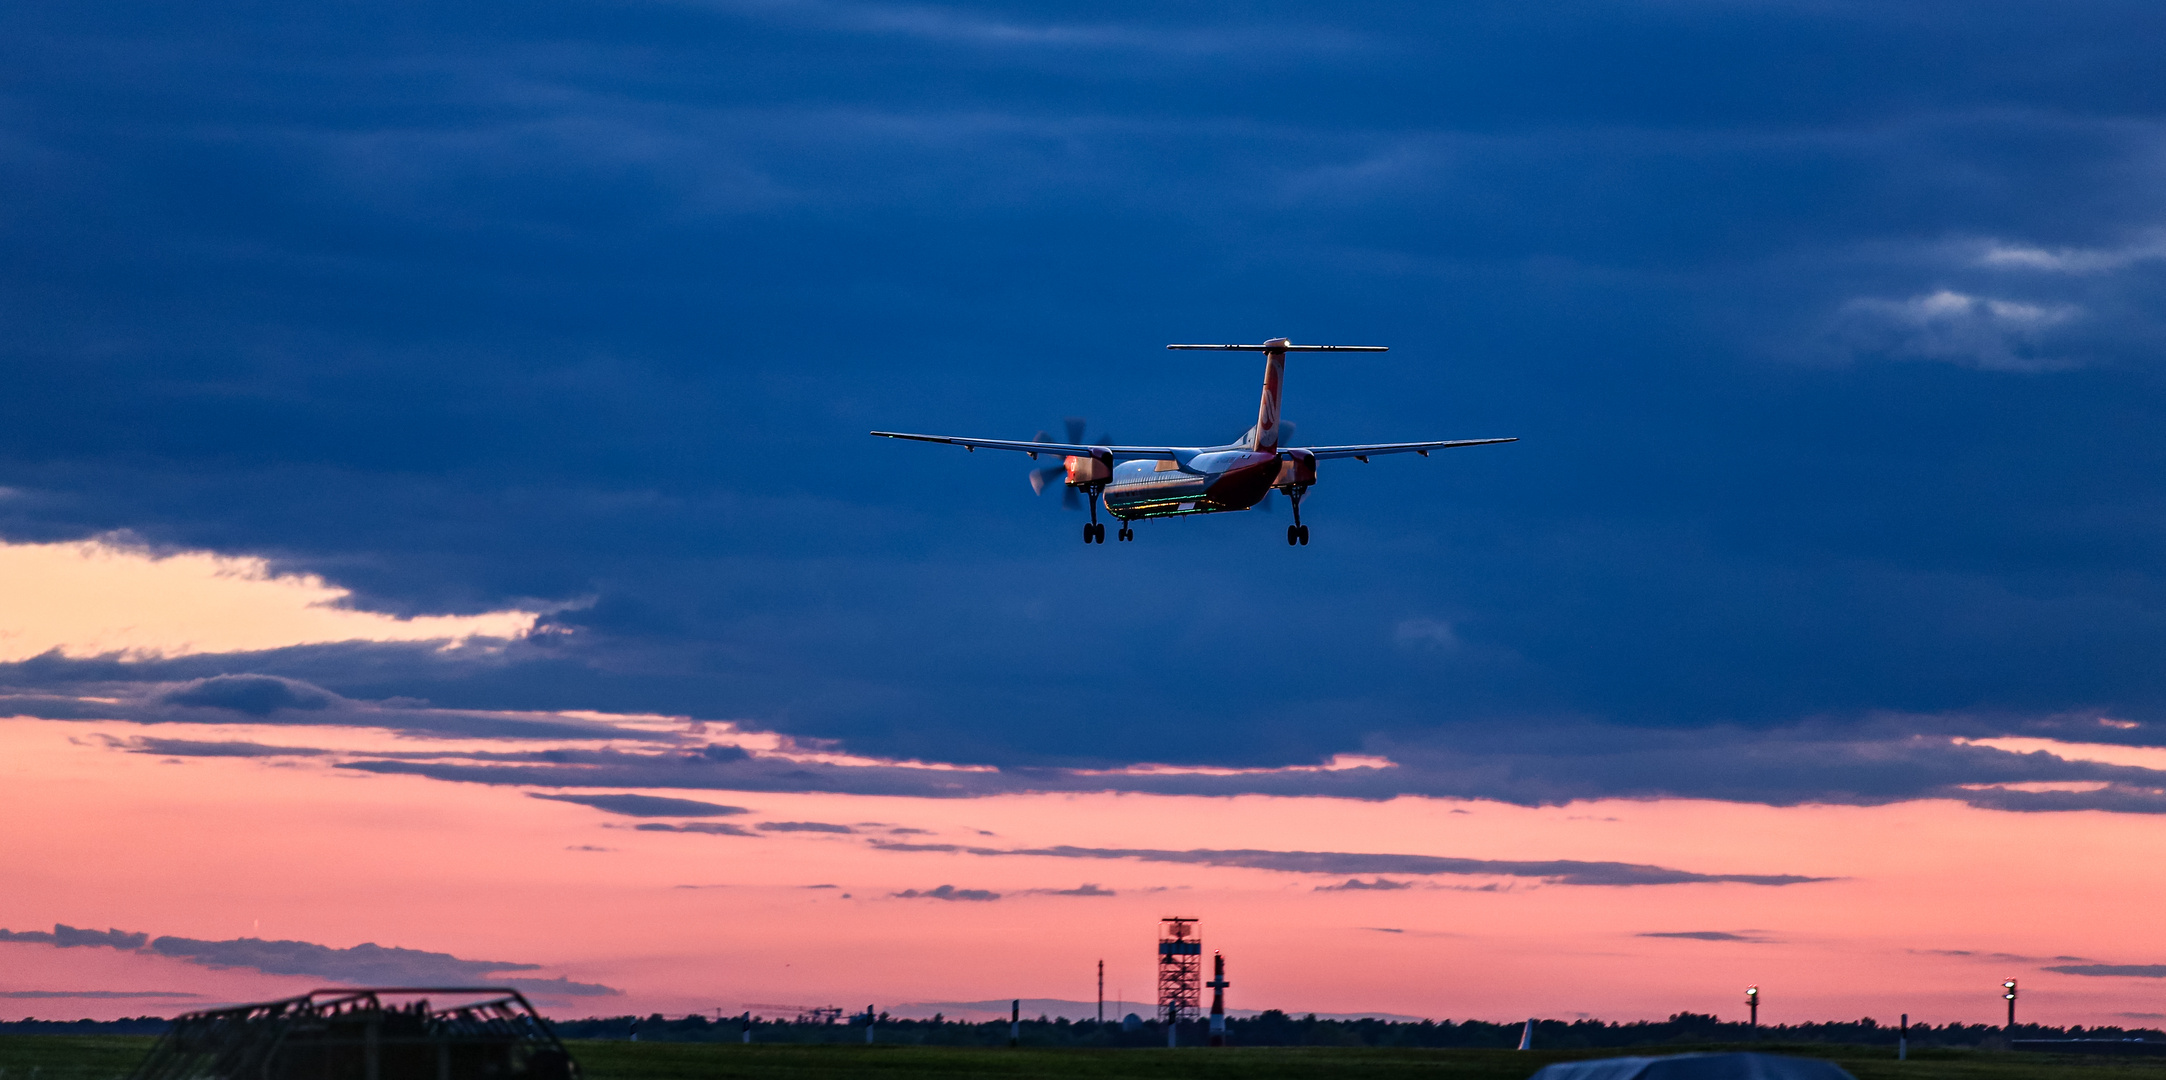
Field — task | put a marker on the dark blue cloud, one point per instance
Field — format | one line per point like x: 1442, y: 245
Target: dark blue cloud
x: 1891, y: 760
x: 1830, y: 330
x: 254, y: 695
x: 710, y: 828
x: 69, y: 937
x: 1357, y: 885
x: 201, y: 748
x: 947, y: 892
x: 1555, y: 871
x: 632, y: 805
x: 366, y: 963
x: 107, y: 689
x: 1085, y: 889
x: 2135, y: 971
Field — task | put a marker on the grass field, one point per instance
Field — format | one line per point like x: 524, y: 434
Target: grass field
x: 108, y: 1057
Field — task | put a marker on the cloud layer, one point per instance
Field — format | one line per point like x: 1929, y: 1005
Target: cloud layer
x: 363, y: 964
x: 632, y: 805
x: 1889, y: 759
x: 1554, y: 871
x: 947, y: 892
x: 1831, y: 331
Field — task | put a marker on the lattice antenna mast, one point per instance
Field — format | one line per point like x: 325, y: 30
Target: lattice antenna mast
x: 1180, y: 969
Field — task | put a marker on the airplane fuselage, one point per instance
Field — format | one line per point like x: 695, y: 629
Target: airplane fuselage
x: 1208, y: 481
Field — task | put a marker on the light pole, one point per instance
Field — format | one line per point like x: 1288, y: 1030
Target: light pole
x: 1218, y: 985
x: 1752, y: 1001
x: 2008, y: 990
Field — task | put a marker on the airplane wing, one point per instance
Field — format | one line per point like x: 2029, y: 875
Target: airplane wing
x: 1131, y: 453
x: 1364, y: 451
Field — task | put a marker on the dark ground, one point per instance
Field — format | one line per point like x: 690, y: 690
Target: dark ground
x: 108, y: 1057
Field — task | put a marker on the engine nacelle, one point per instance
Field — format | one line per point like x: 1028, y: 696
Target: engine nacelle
x: 1297, y: 470
x: 1084, y: 471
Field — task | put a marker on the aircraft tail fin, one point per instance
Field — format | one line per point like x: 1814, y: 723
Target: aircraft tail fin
x: 1264, y: 437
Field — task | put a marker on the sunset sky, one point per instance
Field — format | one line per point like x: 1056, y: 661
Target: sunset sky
x: 439, y: 539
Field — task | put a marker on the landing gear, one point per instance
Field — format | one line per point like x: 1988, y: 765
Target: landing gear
x: 1095, y: 534
x: 1296, y: 533
x: 1127, y: 534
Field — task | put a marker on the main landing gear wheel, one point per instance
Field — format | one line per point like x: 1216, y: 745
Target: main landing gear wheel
x: 1296, y: 533
x: 1095, y: 533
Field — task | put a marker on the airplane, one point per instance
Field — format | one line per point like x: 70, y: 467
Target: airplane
x: 1137, y: 482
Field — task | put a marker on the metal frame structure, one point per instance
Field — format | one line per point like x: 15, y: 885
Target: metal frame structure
x: 1180, y: 969
x: 353, y: 1034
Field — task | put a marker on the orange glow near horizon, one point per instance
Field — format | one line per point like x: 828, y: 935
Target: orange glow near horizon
x: 1932, y: 903
x: 95, y: 597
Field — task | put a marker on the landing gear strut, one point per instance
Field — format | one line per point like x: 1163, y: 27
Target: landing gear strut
x: 1296, y: 533
x: 1094, y: 533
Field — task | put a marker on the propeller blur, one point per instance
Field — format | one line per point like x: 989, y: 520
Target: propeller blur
x: 1137, y: 482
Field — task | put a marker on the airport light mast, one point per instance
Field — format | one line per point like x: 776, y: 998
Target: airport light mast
x: 1752, y: 1001
x: 2008, y: 990
x: 1218, y: 985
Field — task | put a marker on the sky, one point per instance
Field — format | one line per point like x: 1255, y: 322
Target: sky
x: 439, y: 536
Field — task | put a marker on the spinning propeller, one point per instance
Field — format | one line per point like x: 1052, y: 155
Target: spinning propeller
x: 1057, y: 474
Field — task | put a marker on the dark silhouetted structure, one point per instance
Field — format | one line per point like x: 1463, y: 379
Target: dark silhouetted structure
x: 1218, y: 985
x: 1180, y: 971
x: 355, y: 1034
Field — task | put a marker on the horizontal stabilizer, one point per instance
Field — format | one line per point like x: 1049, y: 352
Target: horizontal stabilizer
x: 1280, y: 346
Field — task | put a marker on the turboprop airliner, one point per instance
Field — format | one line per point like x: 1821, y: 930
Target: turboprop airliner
x: 1137, y: 482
